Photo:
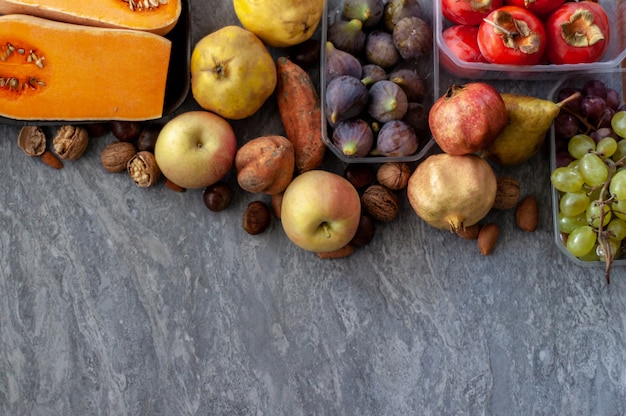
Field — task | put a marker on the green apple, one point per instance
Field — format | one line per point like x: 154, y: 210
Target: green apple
x: 320, y: 211
x: 195, y: 149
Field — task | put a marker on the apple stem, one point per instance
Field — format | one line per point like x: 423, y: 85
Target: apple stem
x: 327, y: 230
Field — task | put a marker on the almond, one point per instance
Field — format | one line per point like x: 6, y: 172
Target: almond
x: 527, y: 214
x: 344, y: 251
x: 173, y: 186
x: 487, y: 238
x: 51, y: 160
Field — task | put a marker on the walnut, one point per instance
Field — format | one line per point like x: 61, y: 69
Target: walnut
x: 115, y: 156
x: 394, y: 175
x: 70, y: 142
x: 143, y: 169
x: 507, y: 193
x: 381, y: 203
x: 32, y: 140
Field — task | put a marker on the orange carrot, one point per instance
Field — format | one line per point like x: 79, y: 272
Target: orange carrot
x: 300, y: 113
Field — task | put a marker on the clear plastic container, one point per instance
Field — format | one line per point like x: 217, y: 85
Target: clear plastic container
x: 333, y: 10
x: 613, y: 78
x: 616, y: 11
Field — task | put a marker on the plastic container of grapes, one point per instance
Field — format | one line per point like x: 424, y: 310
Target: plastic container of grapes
x: 333, y: 10
x: 613, y: 78
x: 616, y: 11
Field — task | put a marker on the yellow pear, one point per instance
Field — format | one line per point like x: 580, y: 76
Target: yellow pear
x: 232, y: 73
x: 529, y: 121
x: 280, y: 23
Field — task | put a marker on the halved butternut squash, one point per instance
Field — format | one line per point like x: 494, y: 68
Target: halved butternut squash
x: 156, y: 16
x: 60, y: 71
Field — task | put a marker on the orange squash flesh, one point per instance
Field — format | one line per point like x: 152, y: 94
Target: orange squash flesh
x: 60, y: 71
x: 159, y: 19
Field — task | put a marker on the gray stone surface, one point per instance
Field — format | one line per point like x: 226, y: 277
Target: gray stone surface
x: 117, y: 300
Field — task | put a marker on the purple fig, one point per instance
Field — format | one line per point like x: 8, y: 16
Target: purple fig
x: 411, y: 83
x: 340, y: 63
x: 395, y: 10
x: 413, y: 37
x: 354, y: 137
x: 346, y: 97
x: 347, y: 35
x: 380, y: 49
x: 417, y: 117
x: 370, y: 12
x: 387, y: 101
x: 372, y: 73
x: 396, y: 139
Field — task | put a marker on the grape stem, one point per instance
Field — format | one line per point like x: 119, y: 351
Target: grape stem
x: 603, y: 235
x: 582, y: 119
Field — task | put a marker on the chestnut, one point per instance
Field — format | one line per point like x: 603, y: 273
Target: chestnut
x: 218, y: 196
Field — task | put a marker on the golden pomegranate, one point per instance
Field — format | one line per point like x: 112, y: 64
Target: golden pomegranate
x: 452, y: 192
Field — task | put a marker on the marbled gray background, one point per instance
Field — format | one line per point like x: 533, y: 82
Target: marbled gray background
x: 117, y: 300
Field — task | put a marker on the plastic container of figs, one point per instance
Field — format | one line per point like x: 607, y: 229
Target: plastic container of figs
x: 616, y: 52
x: 614, y: 78
x: 423, y: 66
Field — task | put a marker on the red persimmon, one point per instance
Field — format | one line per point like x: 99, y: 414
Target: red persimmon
x: 512, y: 35
x: 578, y: 32
x: 468, y: 12
x: 462, y: 41
x: 541, y: 8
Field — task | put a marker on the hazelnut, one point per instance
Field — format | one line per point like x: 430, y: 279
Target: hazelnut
x: 359, y: 175
x: 125, y: 131
x: 394, y: 175
x: 218, y: 196
x: 148, y: 137
x: 32, y: 140
x: 97, y: 129
x: 115, y: 156
x: 257, y: 217
x: 507, y: 193
x: 365, y: 231
x: 381, y: 203
x: 143, y: 169
x: 70, y: 142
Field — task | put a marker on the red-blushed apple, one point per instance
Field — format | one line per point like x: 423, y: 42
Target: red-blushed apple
x: 320, y: 211
x: 196, y: 149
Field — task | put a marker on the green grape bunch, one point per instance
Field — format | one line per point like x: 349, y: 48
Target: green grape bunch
x: 590, y: 174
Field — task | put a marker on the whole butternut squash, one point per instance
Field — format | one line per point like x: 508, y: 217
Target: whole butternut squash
x: 156, y: 16
x: 60, y: 71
